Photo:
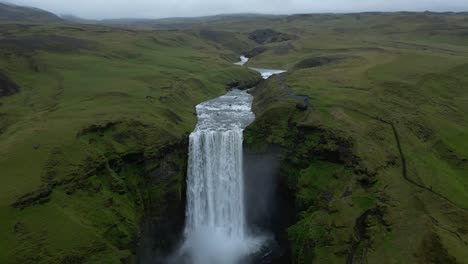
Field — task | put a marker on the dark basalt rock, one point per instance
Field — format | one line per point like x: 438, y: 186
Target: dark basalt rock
x: 164, y: 218
x: 302, y: 106
x: 244, y: 84
x: 316, y: 62
x: 254, y: 52
x: 97, y: 128
x: 362, y: 232
x: 7, y: 86
x: 264, y: 36
x: 40, y: 196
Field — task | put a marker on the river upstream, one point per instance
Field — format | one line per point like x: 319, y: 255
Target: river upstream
x: 216, y: 229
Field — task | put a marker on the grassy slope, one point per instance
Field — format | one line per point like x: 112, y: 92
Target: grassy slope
x: 405, y: 70
x: 86, y: 103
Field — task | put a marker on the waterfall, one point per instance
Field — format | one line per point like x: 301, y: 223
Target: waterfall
x: 216, y: 231
x: 243, y: 60
x: 215, y: 185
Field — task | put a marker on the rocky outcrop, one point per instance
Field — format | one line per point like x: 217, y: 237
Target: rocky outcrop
x: 96, y: 128
x: 7, y: 86
x: 302, y: 106
x: 244, y: 84
x: 362, y: 232
x: 254, y: 52
x: 315, y: 62
x: 40, y: 196
x: 265, y: 36
x: 164, y: 218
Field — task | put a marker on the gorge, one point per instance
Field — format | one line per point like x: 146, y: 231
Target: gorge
x: 216, y: 228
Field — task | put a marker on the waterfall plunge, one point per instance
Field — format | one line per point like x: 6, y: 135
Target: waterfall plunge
x: 215, y: 184
x: 216, y: 231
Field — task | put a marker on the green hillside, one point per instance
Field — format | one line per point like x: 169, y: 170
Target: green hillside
x: 94, y: 123
x: 378, y: 162
x: 82, y: 139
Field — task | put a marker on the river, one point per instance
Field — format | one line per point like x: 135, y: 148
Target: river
x: 216, y: 231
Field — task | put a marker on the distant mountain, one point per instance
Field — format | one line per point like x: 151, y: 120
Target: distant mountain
x: 77, y: 19
x: 19, y: 14
x: 170, y: 23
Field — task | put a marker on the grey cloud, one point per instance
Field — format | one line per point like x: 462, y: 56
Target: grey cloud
x: 177, y: 8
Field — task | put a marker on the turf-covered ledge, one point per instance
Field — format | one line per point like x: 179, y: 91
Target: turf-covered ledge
x: 125, y: 183
x: 332, y: 190
x: 246, y: 82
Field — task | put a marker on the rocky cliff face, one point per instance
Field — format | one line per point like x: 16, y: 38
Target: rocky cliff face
x: 163, y: 223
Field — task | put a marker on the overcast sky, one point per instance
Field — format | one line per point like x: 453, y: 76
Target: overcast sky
x: 172, y: 8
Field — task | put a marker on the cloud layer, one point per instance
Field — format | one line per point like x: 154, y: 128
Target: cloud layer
x: 176, y: 8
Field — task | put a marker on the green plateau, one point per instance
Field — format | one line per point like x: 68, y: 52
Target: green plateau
x: 371, y: 118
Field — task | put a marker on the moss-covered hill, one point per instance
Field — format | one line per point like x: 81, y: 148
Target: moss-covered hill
x: 378, y: 160
x: 88, y: 116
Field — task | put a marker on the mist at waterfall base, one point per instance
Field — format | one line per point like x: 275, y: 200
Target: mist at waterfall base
x: 216, y: 228
x: 268, y: 207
